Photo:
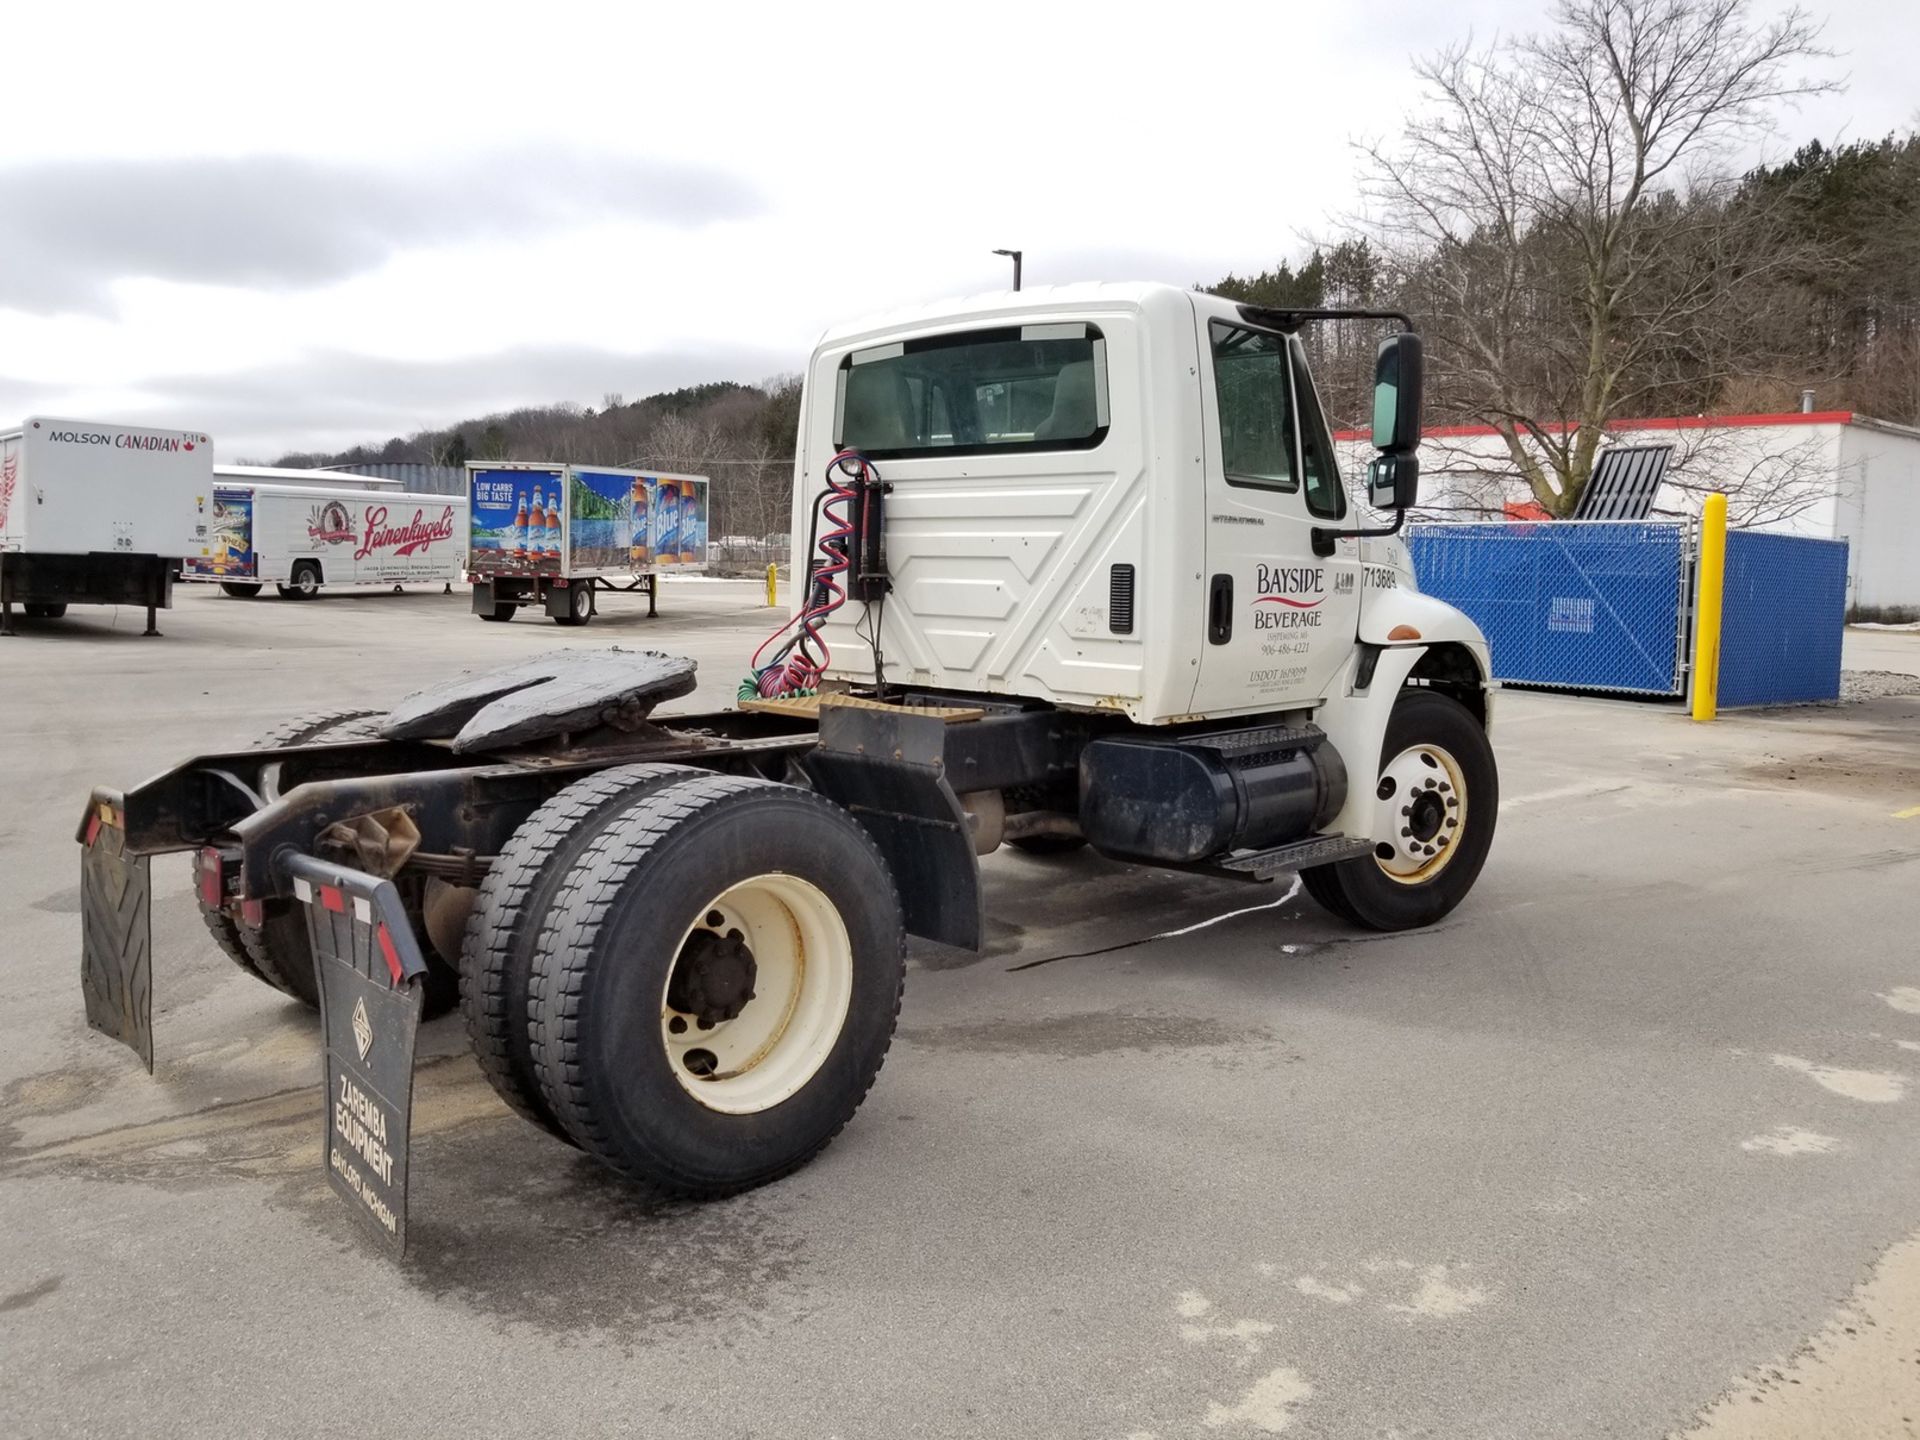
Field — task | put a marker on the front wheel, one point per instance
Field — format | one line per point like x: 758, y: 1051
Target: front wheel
x: 1435, y: 804
x: 240, y: 589
x: 716, y: 984
x: 303, y: 583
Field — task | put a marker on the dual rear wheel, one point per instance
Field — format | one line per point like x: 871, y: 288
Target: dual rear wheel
x: 693, y: 977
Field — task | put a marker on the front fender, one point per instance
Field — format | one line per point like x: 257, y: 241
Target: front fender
x: 1433, y: 622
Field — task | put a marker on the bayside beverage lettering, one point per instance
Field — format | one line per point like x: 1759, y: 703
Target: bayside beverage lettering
x: 1287, y: 589
x: 415, y: 536
x: 360, y: 1121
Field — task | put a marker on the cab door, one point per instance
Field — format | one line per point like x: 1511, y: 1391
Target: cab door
x: 1280, y: 618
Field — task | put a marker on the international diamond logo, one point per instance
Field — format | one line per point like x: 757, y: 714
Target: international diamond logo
x: 362, y: 1028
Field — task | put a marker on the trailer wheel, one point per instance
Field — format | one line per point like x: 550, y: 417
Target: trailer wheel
x: 303, y: 583
x: 240, y: 589
x: 1438, y: 797
x: 500, y: 614
x: 579, y: 604
x: 48, y: 610
x: 496, y: 956
x: 717, y: 985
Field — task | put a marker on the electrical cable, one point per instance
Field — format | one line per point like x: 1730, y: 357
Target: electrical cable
x: 795, y: 666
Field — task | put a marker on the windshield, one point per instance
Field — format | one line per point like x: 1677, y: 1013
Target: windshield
x: 1034, y: 387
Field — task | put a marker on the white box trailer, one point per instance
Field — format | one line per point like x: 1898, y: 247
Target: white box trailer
x: 552, y: 534
x: 94, y: 513
x: 303, y: 536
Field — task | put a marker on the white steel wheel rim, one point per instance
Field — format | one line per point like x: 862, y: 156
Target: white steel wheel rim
x: 580, y: 600
x: 305, y: 583
x: 1422, y: 814
x: 802, y: 989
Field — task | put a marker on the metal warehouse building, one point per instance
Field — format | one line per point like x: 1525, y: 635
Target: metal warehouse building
x: 1829, y: 474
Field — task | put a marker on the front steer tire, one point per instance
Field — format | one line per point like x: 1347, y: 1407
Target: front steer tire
x: 503, y: 929
x: 711, y: 868
x: 1364, y: 891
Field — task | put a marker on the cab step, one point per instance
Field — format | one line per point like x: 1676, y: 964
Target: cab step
x: 1297, y: 855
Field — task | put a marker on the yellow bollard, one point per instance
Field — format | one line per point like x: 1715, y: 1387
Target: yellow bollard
x: 773, y: 578
x: 1707, y: 604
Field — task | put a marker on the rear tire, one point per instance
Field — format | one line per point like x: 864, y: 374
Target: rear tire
x: 240, y: 590
x: 1439, y: 798
x: 762, y: 921
x: 277, y: 951
x: 500, y: 614
x: 303, y: 583
x: 503, y: 929
x: 579, y: 604
x: 45, y: 611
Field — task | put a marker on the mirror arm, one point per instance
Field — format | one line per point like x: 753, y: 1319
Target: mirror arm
x: 1325, y: 538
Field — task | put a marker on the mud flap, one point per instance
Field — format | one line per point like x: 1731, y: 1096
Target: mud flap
x: 370, y: 971
x: 116, y: 930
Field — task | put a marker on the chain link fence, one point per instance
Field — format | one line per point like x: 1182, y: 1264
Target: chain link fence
x: 1575, y: 605
x: 1782, y: 619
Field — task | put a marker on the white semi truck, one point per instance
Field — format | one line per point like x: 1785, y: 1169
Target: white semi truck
x: 1082, y: 572
x: 553, y: 535
x: 301, y: 537
x: 95, y: 513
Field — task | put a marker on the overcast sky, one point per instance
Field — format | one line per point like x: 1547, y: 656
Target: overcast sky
x: 306, y: 226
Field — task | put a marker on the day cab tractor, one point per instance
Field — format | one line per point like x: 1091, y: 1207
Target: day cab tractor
x: 1082, y: 571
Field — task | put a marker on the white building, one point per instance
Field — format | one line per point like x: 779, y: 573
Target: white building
x: 1831, y: 474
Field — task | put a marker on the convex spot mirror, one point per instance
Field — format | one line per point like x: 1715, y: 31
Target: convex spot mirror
x: 1396, y: 395
x: 1393, y: 481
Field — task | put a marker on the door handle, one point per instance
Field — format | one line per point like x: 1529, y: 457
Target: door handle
x: 1220, y: 610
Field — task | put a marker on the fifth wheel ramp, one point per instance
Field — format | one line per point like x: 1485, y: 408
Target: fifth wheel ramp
x: 566, y: 691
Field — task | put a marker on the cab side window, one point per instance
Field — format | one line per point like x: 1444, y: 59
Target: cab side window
x: 1256, y: 410
x: 1326, y: 496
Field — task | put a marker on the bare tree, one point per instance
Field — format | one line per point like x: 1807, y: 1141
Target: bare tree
x: 1560, y: 214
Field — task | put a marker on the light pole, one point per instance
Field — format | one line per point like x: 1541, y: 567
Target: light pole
x: 1013, y: 255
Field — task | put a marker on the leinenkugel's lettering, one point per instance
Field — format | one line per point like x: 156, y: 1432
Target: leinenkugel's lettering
x: 417, y: 534
x: 361, y: 1122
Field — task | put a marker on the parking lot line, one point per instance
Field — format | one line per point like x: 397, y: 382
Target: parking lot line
x: 1912, y: 812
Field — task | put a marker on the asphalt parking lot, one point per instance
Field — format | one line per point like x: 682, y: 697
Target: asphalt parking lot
x: 1631, y: 1142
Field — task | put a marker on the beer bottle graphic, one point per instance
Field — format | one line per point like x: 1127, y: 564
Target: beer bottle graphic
x: 537, y: 527
x: 553, y: 528
x: 637, y: 551
x: 689, y: 524
x: 666, y: 523
x: 520, y: 529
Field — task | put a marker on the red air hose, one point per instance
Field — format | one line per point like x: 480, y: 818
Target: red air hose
x: 800, y: 654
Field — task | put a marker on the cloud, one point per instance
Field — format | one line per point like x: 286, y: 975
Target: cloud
x: 333, y: 400
x: 69, y: 230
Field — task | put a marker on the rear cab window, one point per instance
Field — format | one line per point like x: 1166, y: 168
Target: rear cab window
x: 976, y: 392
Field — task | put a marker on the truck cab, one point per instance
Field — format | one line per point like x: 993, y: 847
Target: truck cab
x: 1124, y: 499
